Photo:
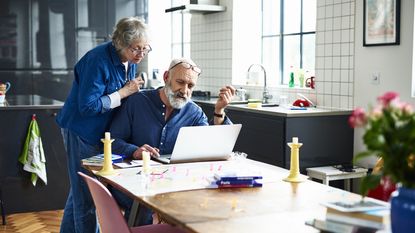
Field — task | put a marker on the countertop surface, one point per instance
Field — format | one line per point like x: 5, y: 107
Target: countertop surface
x: 278, y: 110
x: 29, y: 102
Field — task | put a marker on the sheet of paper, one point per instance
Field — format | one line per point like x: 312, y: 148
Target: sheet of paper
x: 175, y: 177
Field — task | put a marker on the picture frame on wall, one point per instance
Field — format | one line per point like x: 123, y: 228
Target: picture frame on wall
x: 381, y: 22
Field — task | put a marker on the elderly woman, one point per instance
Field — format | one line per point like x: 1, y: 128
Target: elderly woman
x: 103, y: 76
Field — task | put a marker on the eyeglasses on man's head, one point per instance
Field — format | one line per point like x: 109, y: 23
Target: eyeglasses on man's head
x: 188, y: 66
x: 137, y: 51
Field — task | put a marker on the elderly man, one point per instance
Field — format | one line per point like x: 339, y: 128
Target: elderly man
x: 150, y: 120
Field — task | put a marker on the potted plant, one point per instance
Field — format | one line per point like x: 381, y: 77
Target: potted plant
x: 390, y: 135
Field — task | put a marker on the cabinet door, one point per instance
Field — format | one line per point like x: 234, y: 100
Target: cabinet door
x: 18, y: 193
x: 207, y: 109
x: 261, y: 136
x: 327, y: 140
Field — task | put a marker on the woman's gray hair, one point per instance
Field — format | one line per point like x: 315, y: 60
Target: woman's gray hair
x: 127, y: 31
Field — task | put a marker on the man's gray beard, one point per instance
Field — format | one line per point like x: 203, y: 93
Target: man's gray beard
x: 175, y: 102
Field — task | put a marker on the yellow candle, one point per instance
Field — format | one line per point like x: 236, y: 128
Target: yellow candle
x: 295, y: 140
x: 107, y: 136
x: 146, y: 161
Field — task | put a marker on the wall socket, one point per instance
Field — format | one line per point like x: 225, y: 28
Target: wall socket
x: 375, y: 79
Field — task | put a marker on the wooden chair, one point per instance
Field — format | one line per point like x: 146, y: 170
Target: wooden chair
x: 110, y: 217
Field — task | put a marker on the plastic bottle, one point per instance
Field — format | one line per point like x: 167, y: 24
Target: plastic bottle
x: 291, y: 82
x: 301, y: 77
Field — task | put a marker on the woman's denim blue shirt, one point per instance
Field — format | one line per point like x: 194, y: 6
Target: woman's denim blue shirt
x: 87, y: 111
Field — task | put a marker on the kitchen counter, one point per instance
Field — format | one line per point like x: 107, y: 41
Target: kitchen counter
x: 325, y: 134
x: 277, y: 110
x: 29, y: 102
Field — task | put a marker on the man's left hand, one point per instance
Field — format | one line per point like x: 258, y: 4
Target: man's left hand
x: 225, y: 97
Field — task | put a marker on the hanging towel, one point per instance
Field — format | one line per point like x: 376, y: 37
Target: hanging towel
x: 33, y: 157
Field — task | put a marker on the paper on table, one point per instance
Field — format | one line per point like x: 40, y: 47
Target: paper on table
x: 135, y: 163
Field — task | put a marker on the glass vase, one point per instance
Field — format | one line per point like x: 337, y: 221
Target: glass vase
x: 403, y: 210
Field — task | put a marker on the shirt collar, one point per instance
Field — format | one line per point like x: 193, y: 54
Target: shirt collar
x: 114, y: 55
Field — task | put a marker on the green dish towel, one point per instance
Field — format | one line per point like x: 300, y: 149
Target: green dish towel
x: 33, y: 157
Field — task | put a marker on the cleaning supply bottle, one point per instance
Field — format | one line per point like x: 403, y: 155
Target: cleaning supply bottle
x: 291, y: 82
x: 301, y: 77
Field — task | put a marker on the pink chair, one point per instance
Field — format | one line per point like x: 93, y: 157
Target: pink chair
x: 109, y: 214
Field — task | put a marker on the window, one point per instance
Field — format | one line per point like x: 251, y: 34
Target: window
x: 288, y: 37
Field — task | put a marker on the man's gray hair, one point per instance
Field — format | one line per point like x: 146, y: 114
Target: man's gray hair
x: 127, y: 31
x: 176, y: 61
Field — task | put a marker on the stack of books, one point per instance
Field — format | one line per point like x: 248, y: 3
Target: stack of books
x: 369, y: 216
x: 233, y: 180
x: 98, y: 160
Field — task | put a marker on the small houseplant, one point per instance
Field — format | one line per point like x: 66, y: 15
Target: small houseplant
x: 390, y: 135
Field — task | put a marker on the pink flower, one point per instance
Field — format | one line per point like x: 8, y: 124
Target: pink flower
x: 387, y: 98
x: 407, y: 108
x: 358, y: 118
x: 377, y: 112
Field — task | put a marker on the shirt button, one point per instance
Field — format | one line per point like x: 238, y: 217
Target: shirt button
x: 164, y: 106
x: 161, y: 143
x: 162, y: 113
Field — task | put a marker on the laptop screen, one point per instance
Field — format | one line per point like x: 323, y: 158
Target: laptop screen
x: 202, y: 143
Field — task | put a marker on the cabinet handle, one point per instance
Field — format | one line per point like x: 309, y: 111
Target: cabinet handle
x: 54, y: 114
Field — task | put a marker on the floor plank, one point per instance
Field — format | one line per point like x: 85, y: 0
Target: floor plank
x: 35, y: 222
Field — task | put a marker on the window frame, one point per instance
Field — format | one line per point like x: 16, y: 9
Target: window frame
x: 282, y: 36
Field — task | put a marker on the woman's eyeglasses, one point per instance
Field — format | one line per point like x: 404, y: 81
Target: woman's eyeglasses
x: 188, y: 66
x: 137, y: 51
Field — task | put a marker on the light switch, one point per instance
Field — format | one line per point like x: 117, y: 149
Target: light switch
x: 375, y: 79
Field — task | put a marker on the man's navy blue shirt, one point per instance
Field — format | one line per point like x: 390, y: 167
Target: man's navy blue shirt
x: 141, y: 120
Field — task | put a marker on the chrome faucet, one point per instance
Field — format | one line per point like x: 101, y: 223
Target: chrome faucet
x: 265, y: 95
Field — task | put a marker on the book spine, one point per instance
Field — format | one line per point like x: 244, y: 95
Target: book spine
x: 237, y: 178
x: 235, y: 182
x: 354, y: 221
x: 240, y: 185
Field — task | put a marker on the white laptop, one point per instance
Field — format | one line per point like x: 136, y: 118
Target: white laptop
x: 203, y: 143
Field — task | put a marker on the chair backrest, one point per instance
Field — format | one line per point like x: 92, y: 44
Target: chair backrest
x: 109, y: 214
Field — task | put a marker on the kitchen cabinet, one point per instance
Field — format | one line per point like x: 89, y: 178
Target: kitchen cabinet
x: 327, y: 138
x: 16, y: 189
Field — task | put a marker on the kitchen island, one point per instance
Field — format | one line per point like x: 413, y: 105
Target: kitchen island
x: 326, y: 136
x: 17, y: 191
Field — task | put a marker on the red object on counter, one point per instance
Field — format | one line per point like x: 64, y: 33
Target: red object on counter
x: 310, y: 82
x: 301, y: 103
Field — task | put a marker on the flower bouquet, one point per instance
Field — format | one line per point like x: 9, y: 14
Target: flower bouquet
x: 390, y: 135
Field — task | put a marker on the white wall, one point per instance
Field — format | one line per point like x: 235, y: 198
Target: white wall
x: 394, y: 63
x: 160, y: 37
x: 212, y: 37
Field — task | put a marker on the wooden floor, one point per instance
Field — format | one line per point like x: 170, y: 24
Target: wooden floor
x: 36, y: 222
